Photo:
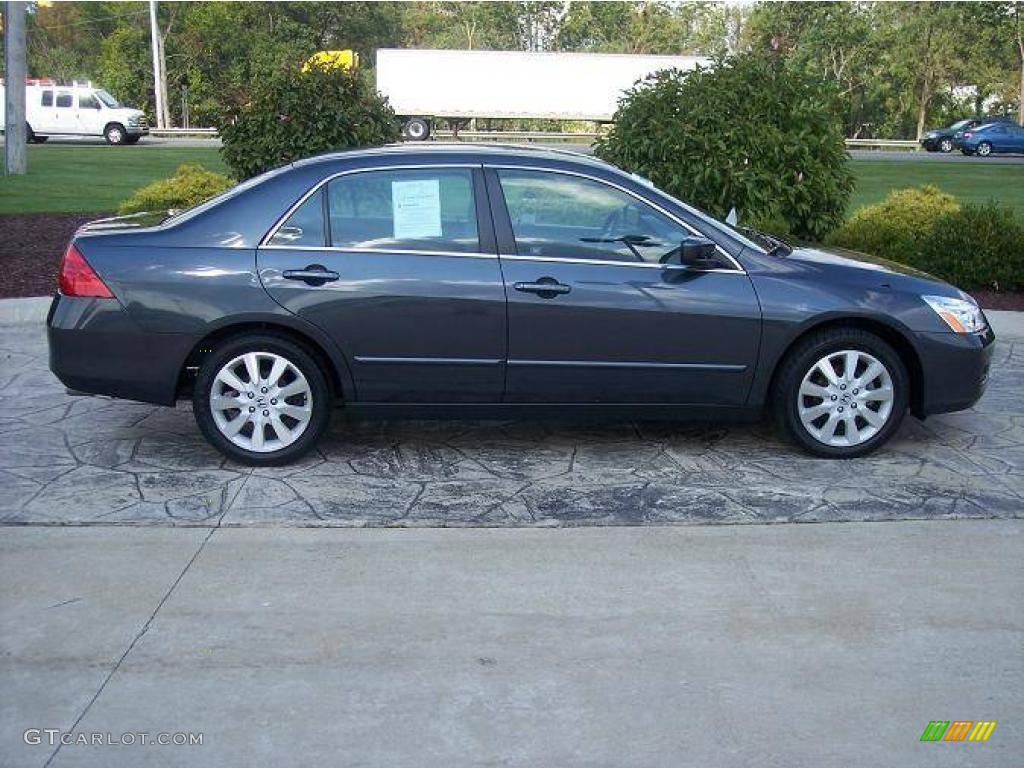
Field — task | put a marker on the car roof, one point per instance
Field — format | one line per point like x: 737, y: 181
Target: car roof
x: 484, y: 152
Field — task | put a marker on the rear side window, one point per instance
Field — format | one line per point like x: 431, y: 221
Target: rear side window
x: 46, y: 99
x: 305, y: 227
x: 64, y: 100
x: 409, y: 210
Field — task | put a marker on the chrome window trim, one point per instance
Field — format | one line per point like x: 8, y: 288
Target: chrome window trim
x: 399, y: 251
x: 739, y: 267
x: 612, y: 263
x: 265, y: 242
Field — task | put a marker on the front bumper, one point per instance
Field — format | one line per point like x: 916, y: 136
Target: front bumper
x: 931, y: 144
x: 96, y: 348
x: 954, y: 370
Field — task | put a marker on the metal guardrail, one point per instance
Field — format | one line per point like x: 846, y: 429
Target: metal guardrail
x: 547, y: 137
x: 211, y: 132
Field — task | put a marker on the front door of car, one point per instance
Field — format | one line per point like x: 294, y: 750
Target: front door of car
x: 399, y: 266
x: 90, y: 115
x: 596, y: 316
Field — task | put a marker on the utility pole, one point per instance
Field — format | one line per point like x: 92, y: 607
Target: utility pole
x: 15, y: 72
x: 158, y: 75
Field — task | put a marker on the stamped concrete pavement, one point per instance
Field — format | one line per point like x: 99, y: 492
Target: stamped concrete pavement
x: 92, y: 460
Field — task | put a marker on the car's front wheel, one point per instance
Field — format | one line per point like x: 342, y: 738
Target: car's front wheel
x: 261, y: 399
x: 115, y: 134
x: 841, y: 393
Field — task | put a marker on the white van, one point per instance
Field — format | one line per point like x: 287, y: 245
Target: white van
x: 78, y: 109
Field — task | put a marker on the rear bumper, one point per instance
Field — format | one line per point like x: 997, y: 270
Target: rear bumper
x: 96, y: 348
x: 955, y: 370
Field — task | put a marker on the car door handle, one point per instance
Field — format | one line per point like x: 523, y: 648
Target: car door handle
x: 314, y: 274
x: 546, y: 288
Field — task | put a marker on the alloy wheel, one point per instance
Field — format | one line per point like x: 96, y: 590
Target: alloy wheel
x: 261, y: 402
x: 845, y: 398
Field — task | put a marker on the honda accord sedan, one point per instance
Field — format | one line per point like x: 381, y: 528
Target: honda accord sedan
x: 466, y: 281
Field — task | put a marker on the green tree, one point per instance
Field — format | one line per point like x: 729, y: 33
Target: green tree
x: 749, y: 133
x: 294, y: 114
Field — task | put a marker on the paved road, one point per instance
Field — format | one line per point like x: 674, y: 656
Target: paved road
x: 856, y: 154
x: 794, y: 646
x: 70, y: 460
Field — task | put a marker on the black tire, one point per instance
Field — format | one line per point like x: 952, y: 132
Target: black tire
x: 984, y: 149
x: 416, y: 129
x: 37, y: 139
x: 800, y: 360
x: 946, y: 146
x: 132, y: 139
x: 115, y: 134
x: 30, y: 135
x: 227, y: 351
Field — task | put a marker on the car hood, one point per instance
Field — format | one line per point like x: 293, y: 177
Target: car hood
x: 854, y: 259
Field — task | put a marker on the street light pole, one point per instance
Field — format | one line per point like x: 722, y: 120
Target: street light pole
x: 15, y: 72
x: 154, y: 34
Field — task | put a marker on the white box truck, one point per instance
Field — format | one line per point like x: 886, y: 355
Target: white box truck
x: 77, y: 109
x: 425, y: 84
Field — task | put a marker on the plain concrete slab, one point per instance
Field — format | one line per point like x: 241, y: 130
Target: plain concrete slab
x: 1006, y: 324
x: 70, y: 606
x: 725, y: 645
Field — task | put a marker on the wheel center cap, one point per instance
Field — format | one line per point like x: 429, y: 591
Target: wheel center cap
x: 261, y: 401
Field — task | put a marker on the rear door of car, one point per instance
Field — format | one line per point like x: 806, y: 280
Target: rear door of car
x: 41, y: 115
x: 398, y: 264
x: 593, y: 314
x: 65, y: 117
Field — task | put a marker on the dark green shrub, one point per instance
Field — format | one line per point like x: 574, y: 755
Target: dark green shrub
x: 896, y: 227
x: 190, y: 185
x: 295, y: 114
x: 978, y: 247
x: 747, y: 133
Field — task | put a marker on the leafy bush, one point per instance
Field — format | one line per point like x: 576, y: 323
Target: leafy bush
x: 747, y: 133
x: 896, y: 227
x: 191, y: 184
x: 977, y: 247
x: 295, y: 114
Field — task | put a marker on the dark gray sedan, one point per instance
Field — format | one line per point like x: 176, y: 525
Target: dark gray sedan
x: 469, y: 281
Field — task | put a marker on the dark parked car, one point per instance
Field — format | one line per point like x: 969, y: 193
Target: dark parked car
x: 468, y: 281
x: 944, y: 139
x: 991, y: 139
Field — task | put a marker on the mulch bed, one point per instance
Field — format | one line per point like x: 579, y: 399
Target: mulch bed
x: 31, y: 245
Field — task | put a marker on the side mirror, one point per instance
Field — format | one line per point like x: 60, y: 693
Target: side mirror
x: 698, y: 252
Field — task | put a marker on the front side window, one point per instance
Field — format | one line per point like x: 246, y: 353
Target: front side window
x: 107, y: 99
x: 64, y: 100
x: 414, y: 210
x: 559, y: 216
x: 47, y: 99
x: 86, y: 101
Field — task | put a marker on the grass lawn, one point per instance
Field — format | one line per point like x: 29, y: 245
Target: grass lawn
x: 974, y: 182
x: 86, y: 179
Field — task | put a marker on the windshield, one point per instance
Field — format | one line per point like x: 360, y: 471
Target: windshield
x: 107, y: 99
x: 958, y: 125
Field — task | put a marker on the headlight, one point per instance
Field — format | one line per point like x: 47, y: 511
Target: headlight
x: 133, y: 121
x: 959, y: 314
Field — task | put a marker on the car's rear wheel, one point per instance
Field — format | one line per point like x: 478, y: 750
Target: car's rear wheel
x: 416, y: 129
x: 946, y: 145
x: 984, y: 149
x: 261, y: 399
x: 841, y: 393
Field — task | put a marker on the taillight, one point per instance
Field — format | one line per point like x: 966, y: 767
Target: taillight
x: 77, y: 278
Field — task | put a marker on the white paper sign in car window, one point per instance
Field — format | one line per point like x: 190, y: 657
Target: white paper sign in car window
x: 416, y: 207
